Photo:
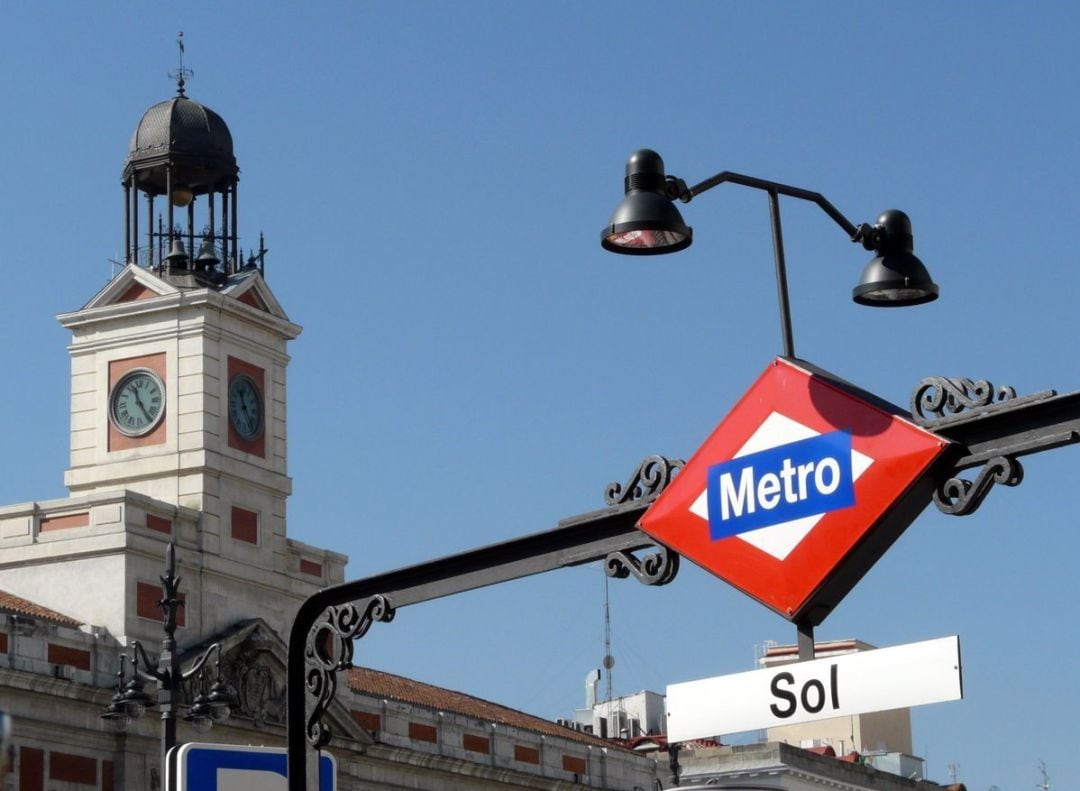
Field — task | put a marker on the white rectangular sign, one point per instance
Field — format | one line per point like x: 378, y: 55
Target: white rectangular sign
x: 877, y: 680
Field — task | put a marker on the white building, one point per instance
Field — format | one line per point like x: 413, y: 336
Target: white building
x: 179, y: 434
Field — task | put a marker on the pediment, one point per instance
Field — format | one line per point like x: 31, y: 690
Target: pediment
x: 253, y: 663
x: 132, y: 284
x: 249, y: 287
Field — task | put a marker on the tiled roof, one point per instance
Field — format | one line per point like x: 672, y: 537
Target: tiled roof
x: 10, y: 603
x: 376, y: 683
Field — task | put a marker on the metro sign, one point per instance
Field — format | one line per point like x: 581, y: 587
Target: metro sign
x: 799, y: 491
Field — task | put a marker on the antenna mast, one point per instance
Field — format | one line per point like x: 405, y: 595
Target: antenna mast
x: 609, y: 660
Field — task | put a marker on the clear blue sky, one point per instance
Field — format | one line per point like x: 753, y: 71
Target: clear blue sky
x: 432, y: 180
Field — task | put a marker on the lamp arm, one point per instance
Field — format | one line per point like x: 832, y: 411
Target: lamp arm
x: 202, y: 660
x: 862, y: 233
x: 148, y: 672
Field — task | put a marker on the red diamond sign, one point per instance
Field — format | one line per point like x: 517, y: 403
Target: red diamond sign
x: 799, y: 491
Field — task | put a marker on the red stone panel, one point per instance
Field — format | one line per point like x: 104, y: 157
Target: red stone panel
x: 245, y: 525
x: 310, y: 567
x: 366, y: 720
x: 68, y: 768
x: 423, y: 733
x: 249, y: 298
x: 31, y: 769
x: 65, y: 655
x: 159, y: 523
x: 63, y: 522
x: 476, y: 744
x: 526, y: 755
x: 136, y: 292
x: 571, y: 763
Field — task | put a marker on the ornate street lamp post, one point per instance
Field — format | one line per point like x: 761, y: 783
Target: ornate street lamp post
x: 131, y: 699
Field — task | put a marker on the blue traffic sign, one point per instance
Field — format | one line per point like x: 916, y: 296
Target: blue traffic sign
x: 228, y: 767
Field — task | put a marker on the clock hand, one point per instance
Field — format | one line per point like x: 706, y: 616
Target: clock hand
x: 138, y: 401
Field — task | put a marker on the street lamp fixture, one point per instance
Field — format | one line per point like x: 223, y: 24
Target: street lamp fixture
x: 131, y: 700
x: 647, y: 222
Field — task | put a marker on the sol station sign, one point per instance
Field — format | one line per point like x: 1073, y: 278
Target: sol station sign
x: 799, y: 490
x: 854, y: 683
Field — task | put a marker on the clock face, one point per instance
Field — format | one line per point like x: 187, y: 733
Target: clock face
x: 245, y: 407
x: 137, y: 402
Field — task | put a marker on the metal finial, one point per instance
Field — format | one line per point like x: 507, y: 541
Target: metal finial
x: 181, y: 75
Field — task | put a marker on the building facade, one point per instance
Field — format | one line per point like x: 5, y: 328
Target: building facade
x: 179, y: 437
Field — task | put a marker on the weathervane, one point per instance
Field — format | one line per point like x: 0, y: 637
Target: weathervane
x: 181, y: 73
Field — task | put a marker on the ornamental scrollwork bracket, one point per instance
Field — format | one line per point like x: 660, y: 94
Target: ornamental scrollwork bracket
x: 940, y: 400
x: 329, y: 650
x: 960, y: 497
x: 650, y: 478
x: 658, y: 567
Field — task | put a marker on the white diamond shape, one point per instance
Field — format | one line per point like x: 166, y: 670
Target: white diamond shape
x: 780, y: 539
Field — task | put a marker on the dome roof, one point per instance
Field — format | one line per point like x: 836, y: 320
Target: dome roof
x: 190, y: 137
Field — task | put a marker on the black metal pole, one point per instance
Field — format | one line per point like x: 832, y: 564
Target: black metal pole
x: 191, y: 230
x: 134, y: 222
x: 169, y: 204
x: 127, y: 223
x: 775, y: 189
x: 210, y: 213
x: 805, y: 631
x: 781, y: 275
x: 169, y: 659
x: 150, y: 229
x: 235, y: 235
x: 225, y: 231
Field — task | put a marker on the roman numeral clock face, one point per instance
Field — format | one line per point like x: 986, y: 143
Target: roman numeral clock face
x: 137, y: 402
x: 245, y: 407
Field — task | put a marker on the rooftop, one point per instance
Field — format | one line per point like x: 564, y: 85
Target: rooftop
x: 16, y: 605
x: 366, y: 681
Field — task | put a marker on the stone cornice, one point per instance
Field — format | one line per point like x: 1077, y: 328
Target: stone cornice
x: 82, y: 502
x: 180, y: 300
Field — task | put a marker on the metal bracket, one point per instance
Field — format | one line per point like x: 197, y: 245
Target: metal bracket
x: 658, y: 567
x: 329, y: 650
x: 960, y: 497
x: 940, y: 401
x: 652, y: 476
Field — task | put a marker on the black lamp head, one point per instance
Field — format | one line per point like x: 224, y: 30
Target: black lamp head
x: 895, y: 277
x: 646, y: 222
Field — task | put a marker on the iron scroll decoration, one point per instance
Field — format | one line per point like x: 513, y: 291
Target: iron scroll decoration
x: 938, y: 397
x: 660, y: 565
x: 330, y: 650
x: 652, y: 476
x: 939, y: 402
x: 960, y: 497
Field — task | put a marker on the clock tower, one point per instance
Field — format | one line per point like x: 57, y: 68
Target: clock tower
x: 178, y: 366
